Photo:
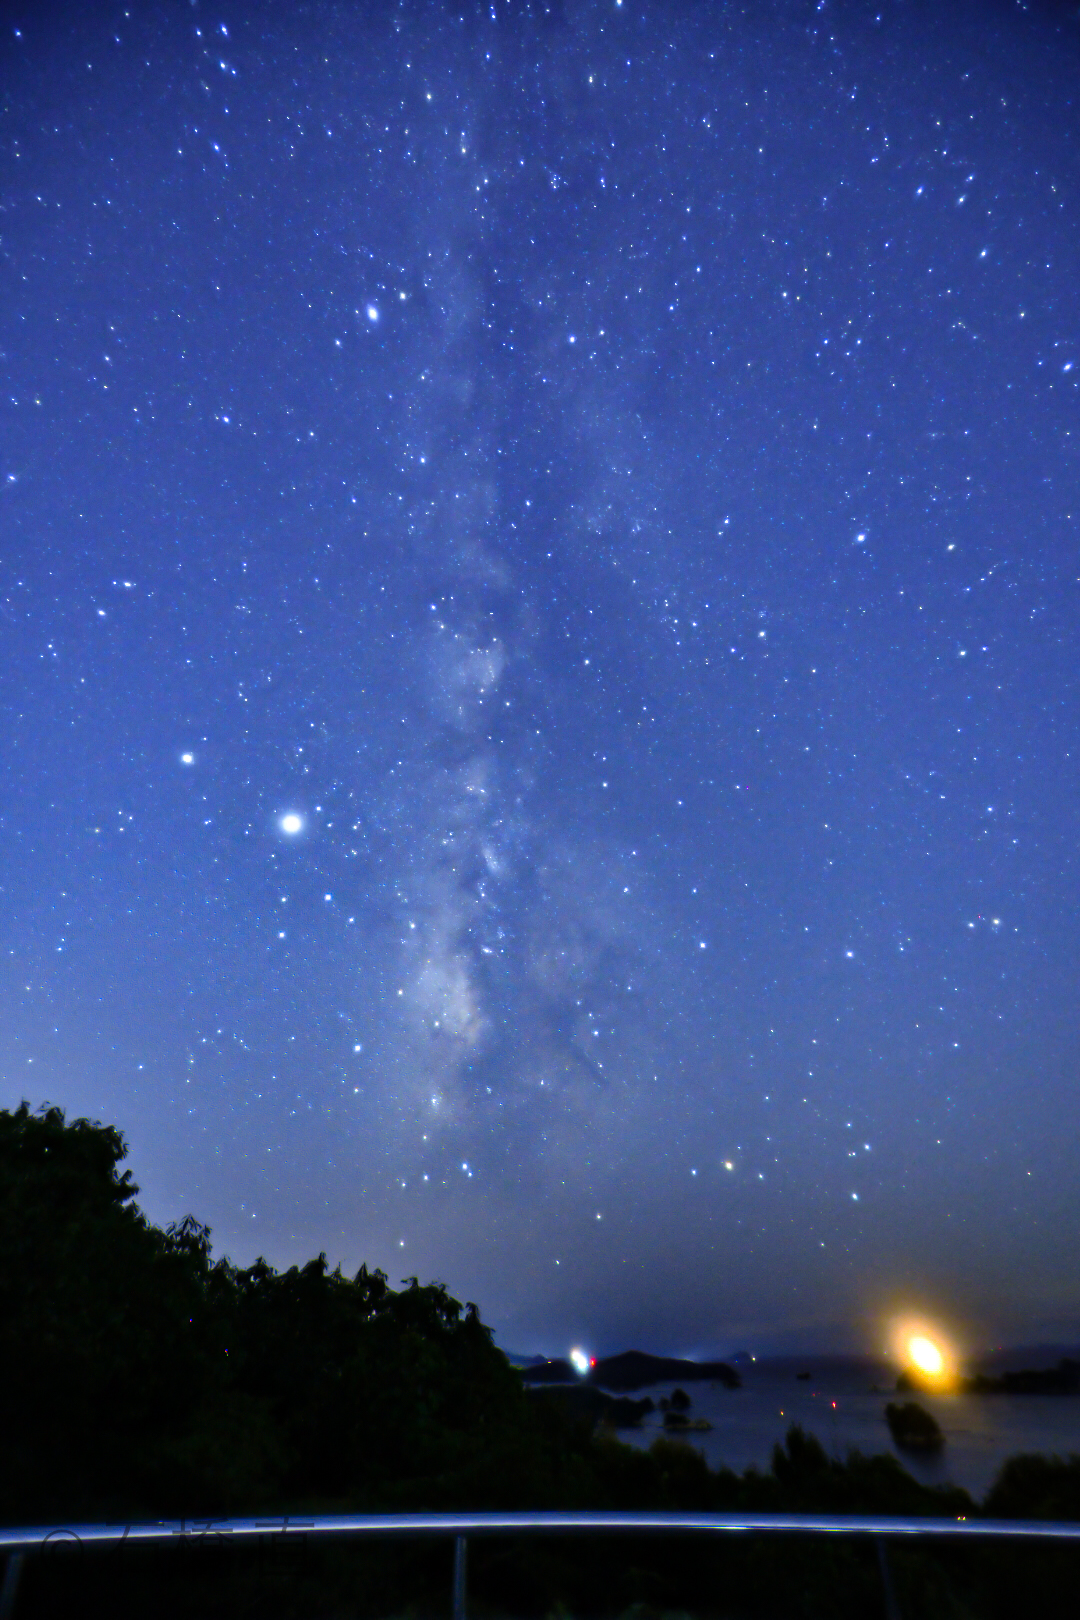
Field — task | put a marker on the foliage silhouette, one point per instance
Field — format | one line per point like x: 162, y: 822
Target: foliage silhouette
x: 141, y: 1378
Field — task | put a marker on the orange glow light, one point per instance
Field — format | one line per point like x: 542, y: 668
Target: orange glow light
x: 924, y: 1351
x: 925, y: 1355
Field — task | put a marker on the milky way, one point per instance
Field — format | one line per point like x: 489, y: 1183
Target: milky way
x: 539, y: 614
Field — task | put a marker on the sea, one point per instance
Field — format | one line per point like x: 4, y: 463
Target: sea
x: 843, y: 1403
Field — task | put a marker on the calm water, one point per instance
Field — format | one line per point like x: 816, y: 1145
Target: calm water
x: 839, y: 1405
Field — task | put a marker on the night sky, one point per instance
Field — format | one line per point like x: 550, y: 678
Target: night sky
x: 538, y: 647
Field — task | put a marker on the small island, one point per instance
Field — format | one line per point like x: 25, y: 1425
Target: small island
x: 913, y: 1428
x: 633, y: 1369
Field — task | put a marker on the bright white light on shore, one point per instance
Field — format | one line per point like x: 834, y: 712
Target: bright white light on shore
x: 291, y: 823
x: 580, y: 1362
x: 925, y: 1355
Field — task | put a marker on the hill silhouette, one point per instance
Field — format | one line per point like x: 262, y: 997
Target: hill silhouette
x: 633, y: 1369
x: 141, y: 1379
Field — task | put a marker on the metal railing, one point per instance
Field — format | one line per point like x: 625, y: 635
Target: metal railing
x: 18, y: 1543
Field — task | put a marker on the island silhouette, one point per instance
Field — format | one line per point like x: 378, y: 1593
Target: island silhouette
x: 632, y: 1369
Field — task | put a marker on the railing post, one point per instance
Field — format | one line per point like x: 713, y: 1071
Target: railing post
x: 12, y: 1571
x: 459, y: 1578
x: 892, y: 1606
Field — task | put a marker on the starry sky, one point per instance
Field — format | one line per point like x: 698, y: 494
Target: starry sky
x: 538, y: 647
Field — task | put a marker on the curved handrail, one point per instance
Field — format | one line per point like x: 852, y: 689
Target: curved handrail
x: 38, y: 1537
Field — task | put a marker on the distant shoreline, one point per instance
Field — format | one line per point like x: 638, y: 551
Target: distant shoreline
x: 633, y: 1369
x: 638, y: 1369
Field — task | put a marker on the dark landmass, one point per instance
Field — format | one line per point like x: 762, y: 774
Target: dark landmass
x: 623, y: 1413
x: 1064, y: 1379
x: 679, y: 1423
x: 913, y: 1428
x: 633, y: 1369
x: 140, y: 1379
x: 582, y: 1401
x: 557, y: 1371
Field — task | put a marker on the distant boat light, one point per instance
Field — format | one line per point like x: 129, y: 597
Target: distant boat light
x: 580, y: 1362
